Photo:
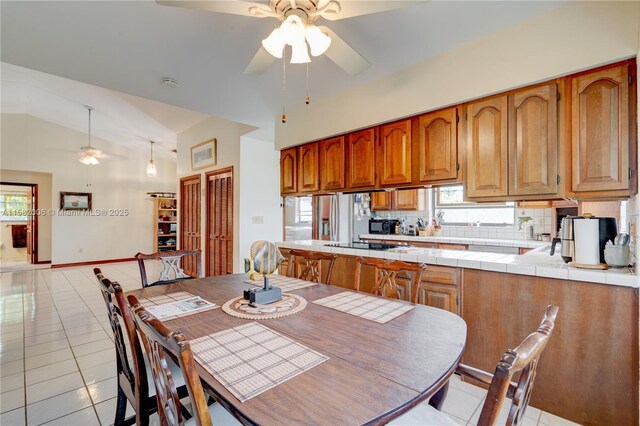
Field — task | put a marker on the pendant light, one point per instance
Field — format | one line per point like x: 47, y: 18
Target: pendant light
x: 151, y: 167
x: 87, y: 153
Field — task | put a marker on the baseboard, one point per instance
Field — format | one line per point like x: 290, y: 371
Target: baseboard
x: 43, y: 262
x: 93, y: 262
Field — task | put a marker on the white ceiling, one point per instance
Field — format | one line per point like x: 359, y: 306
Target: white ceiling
x: 129, y: 46
x: 116, y: 117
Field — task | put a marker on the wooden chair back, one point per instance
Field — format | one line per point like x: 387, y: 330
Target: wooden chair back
x: 524, y: 360
x: 132, y: 379
x: 307, y: 265
x: 386, y: 271
x: 158, y: 340
x: 167, y: 265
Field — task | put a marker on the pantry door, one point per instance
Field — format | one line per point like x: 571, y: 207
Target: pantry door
x: 219, y: 253
x: 190, y: 202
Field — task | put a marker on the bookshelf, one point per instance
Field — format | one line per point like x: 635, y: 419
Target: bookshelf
x: 165, y: 224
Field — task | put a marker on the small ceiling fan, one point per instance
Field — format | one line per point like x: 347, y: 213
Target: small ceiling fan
x: 298, y: 28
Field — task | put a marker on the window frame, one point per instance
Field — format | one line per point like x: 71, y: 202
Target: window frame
x: 298, y: 210
x: 466, y: 205
x: 3, y: 202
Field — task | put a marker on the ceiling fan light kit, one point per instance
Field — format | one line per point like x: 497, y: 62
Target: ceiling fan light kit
x: 297, y: 34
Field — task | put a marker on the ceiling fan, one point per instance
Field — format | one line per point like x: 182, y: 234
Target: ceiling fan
x: 298, y: 27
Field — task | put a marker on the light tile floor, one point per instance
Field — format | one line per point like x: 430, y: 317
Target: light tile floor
x: 58, y: 359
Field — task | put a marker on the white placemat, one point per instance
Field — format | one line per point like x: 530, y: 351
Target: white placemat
x: 366, y: 306
x: 287, y: 284
x: 252, y: 358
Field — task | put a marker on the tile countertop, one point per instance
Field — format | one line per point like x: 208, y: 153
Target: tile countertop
x: 457, y: 240
x: 535, y: 263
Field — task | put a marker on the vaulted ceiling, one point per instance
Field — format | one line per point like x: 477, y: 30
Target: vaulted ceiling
x: 129, y: 46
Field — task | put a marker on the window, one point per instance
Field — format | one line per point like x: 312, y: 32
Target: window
x: 12, y: 205
x: 304, y: 210
x: 449, y: 201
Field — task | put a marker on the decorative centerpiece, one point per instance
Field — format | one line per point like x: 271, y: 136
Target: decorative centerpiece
x: 264, y: 259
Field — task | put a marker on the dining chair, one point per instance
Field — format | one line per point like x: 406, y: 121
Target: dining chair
x: 307, y: 265
x: 133, y: 385
x: 169, y: 266
x: 386, y: 274
x: 159, y: 340
x: 523, y: 359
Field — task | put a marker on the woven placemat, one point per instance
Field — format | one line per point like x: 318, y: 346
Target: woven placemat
x: 252, y: 358
x: 373, y: 308
x: 285, y: 283
x: 289, y: 305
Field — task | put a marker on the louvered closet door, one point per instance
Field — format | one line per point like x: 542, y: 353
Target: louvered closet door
x: 190, y: 220
x: 220, y: 222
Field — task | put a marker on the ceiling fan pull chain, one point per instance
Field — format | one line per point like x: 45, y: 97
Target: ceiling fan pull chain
x: 284, y: 85
x: 307, y: 99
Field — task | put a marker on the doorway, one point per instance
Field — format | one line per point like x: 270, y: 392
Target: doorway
x: 19, y: 219
x: 219, y: 248
x: 190, y: 202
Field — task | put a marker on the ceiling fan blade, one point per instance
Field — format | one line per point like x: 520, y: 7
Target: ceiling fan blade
x: 343, y: 55
x: 352, y: 8
x: 260, y: 62
x: 233, y: 7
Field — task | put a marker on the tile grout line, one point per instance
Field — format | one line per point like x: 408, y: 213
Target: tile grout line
x: 74, y: 358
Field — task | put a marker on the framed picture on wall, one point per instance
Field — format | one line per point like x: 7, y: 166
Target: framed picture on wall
x: 75, y: 201
x: 204, y: 154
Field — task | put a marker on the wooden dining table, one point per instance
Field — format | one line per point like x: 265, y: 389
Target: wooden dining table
x: 375, y: 372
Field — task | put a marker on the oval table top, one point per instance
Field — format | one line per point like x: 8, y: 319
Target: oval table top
x: 375, y: 372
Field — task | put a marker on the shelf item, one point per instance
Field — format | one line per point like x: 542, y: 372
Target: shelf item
x: 165, y: 223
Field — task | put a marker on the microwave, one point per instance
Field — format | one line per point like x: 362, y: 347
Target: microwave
x: 382, y: 226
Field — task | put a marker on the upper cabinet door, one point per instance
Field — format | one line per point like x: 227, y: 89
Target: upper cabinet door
x: 487, y: 153
x: 289, y: 171
x: 332, y: 164
x: 406, y: 199
x: 361, y: 171
x: 394, y: 153
x: 308, y: 168
x: 533, y: 141
x: 600, y: 130
x: 381, y: 200
x: 436, y: 146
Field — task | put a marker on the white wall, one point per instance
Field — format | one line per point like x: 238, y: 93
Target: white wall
x: 118, y: 182
x: 576, y: 36
x: 259, y: 195
x: 228, y: 135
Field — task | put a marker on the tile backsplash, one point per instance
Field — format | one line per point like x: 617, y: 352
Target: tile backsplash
x: 542, y: 223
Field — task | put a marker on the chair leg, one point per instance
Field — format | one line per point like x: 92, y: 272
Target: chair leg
x: 121, y: 407
x: 438, y: 398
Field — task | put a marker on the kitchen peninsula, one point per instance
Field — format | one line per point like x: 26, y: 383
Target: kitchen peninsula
x: 500, y: 296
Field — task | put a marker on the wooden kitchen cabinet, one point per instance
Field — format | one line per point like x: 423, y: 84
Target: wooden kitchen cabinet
x: 361, y: 165
x: 308, y: 168
x: 533, y: 141
x: 487, y: 148
x: 439, y: 288
x: 381, y: 201
x: 394, y: 153
x: 446, y: 246
x: 435, y: 146
x: 332, y: 164
x: 402, y: 199
x: 405, y: 199
x: 289, y: 171
x: 600, y: 130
